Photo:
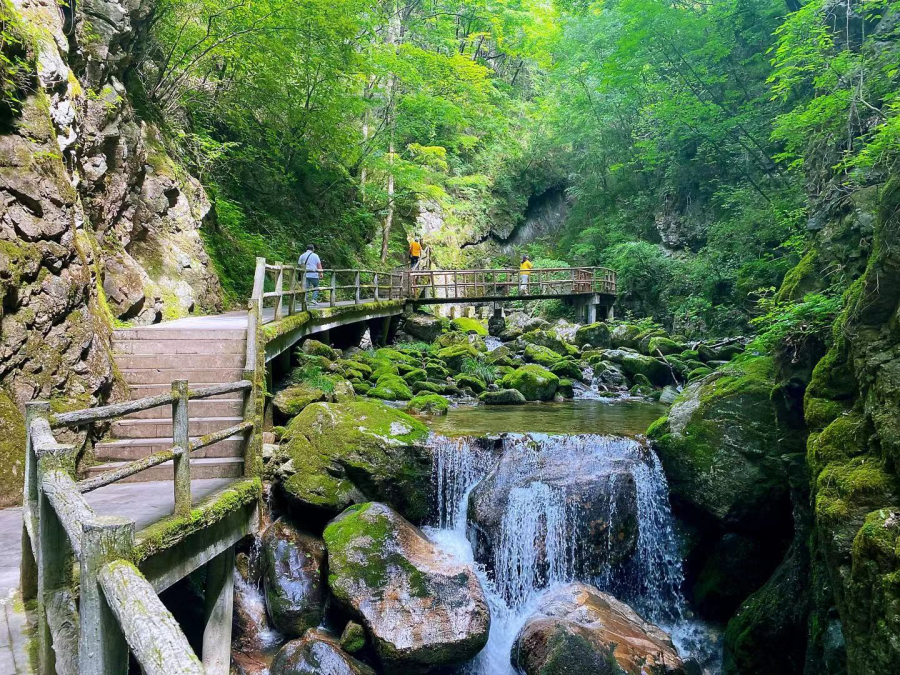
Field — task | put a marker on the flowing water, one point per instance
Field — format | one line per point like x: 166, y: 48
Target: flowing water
x: 543, y: 539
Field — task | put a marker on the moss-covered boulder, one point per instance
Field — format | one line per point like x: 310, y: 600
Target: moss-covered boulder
x: 395, y: 356
x: 595, y: 334
x: 348, y: 365
x: 623, y: 336
x: 422, y: 609
x: 312, y: 347
x: 456, y: 355
x: 502, y: 397
x: 293, y: 578
x: 428, y: 404
x: 566, y: 389
x: 424, y: 327
x: 391, y: 388
x: 415, y: 375
x: 631, y: 363
x: 577, y: 628
x: 698, y: 374
x: 292, y: 400
x: 436, y: 370
x: 567, y: 368
x: 720, y: 447
x: 534, y: 382
x: 429, y: 387
x: 316, y: 653
x: 12, y: 452
x: 476, y: 384
x: 362, y: 388
x: 382, y: 367
x: 466, y: 325
x: 665, y: 346
x: 543, y: 356
x: 546, y: 339
x: 346, y: 453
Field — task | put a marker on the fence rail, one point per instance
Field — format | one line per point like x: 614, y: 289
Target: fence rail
x: 502, y: 283
x: 117, y: 608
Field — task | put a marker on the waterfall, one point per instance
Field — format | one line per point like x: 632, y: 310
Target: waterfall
x: 542, y: 540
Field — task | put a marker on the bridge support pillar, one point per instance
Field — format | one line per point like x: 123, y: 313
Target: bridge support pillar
x: 219, y: 608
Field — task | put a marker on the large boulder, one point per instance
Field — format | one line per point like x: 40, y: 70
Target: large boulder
x: 456, y: 355
x: 346, y: 453
x: 466, y: 325
x: 720, y: 448
x: 546, y: 339
x: 316, y: 653
x: 391, y: 388
x: 312, y: 347
x: 424, y: 327
x: 502, y: 397
x: 421, y: 607
x: 293, y: 578
x: 542, y: 356
x: 623, y: 336
x: 291, y: 401
x: 579, y: 629
x: 595, y: 492
x: 595, y: 334
x: 631, y: 363
x: 533, y: 382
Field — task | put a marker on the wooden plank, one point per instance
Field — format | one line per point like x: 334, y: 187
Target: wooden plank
x: 182, y: 440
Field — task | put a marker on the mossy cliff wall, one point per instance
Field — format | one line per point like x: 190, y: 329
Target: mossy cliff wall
x: 97, y: 223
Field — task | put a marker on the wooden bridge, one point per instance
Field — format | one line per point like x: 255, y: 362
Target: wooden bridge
x: 174, y: 484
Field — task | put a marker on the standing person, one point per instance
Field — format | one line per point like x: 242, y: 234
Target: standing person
x: 313, y: 265
x: 524, y: 273
x: 415, y: 252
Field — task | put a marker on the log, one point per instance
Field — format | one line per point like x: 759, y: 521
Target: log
x: 149, y: 628
x: 62, y: 617
x: 68, y: 504
x: 114, y: 475
x: 220, y: 435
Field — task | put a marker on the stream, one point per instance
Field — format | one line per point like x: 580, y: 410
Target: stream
x: 558, y: 465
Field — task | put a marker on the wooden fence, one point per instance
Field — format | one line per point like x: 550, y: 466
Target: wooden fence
x: 488, y: 284
x: 117, y: 608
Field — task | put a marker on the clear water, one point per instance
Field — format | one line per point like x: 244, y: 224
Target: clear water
x: 536, y: 518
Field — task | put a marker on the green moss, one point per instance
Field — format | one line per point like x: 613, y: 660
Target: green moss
x: 845, y: 438
x: 456, y: 355
x: 12, y: 452
x: 391, y: 388
x: 543, y: 356
x: 433, y: 404
x: 802, y: 279
x: 170, y: 531
x: 467, y: 325
x: 534, y: 382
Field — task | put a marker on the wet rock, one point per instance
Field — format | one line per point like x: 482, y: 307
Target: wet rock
x: 312, y: 347
x: 545, y: 339
x: 534, y: 382
x: 293, y: 578
x: 353, y: 638
x: 502, y: 397
x: 421, y: 608
x: 346, y: 453
x: 291, y: 401
x: 424, y: 327
x: 496, y: 325
x: 542, y: 356
x: 391, y: 388
x: 467, y: 325
x: 595, y: 334
x: 598, y: 494
x: 428, y: 404
x: 623, y: 336
x: 632, y: 363
x: 317, y: 653
x: 579, y: 629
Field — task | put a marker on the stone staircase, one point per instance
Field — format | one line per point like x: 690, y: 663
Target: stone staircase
x: 149, y: 359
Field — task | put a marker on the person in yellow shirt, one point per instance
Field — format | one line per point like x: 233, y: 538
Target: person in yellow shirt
x: 524, y: 273
x: 415, y: 252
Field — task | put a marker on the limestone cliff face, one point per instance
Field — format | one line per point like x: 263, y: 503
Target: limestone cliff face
x: 97, y: 222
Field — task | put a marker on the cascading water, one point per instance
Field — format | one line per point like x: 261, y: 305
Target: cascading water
x: 542, y: 535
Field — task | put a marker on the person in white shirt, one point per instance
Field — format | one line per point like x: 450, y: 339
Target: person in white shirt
x: 310, y: 260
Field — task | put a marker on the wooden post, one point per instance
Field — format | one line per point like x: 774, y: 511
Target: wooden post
x: 181, y: 438
x: 375, y: 283
x: 333, y: 288
x: 304, y: 300
x: 279, y: 288
x: 219, y: 602
x: 102, y: 649
x: 28, y: 566
x: 292, y: 289
x: 356, y: 297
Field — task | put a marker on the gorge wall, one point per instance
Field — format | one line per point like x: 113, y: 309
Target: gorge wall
x: 98, y: 223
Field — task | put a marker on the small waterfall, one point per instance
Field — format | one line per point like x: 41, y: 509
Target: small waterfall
x: 543, y: 540
x: 492, y: 343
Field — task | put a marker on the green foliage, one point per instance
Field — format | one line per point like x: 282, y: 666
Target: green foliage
x: 787, y: 325
x: 15, y: 61
x: 485, y: 372
x: 313, y: 376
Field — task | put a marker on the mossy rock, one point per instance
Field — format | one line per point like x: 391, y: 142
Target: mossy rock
x: 632, y: 363
x: 380, y: 368
x: 436, y: 370
x: 664, y: 346
x: 415, y: 375
x: 362, y: 388
x: 534, y: 382
x: 353, y: 637
x: 428, y: 387
x: 428, y: 404
x: 12, y: 452
x: 292, y: 400
x: 456, y: 355
x: 543, y: 356
x: 595, y: 334
x: 391, y: 388
x: 476, y: 384
x: 568, y: 369
x: 689, y: 355
x: 642, y: 340
x: 389, y: 576
x: 546, y: 339
x: 404, y: 368
x: 395, y: 356
x: 452, y: 339
x: 565, y: 388
x: 501, y: 356
x: 312, y: 347
x: 623, y: 335
x: 467, y: 325
x: 698, y: 374
x: 502, y: 397
x: 345, y: 453
x: 343, y: 391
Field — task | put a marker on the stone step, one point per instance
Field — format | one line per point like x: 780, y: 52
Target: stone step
x: 192, y: 375
x: 204, y: 407
x: 229, y: 467
x: 130, y: 449
x: 191, y: 334
x: 161, y: 427
x: 136, y: 391
x: 179, y: 361
x: 165, y: 346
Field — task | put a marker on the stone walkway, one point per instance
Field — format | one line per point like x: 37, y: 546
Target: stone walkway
x: 146, y: 503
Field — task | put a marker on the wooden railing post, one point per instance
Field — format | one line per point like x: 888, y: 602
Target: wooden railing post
x: 331, y: 298
x: 219, y: 607
x: 102, y: 649
x: 28, y: 569
x: 279, y: 288
x: 375, y: 283
x: 254, y: 312
x: 304, y: 300
x: 356, y: 297
x: 292, y: 288
x: 181, y: 438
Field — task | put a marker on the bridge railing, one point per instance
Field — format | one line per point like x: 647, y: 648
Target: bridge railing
x: 500, y: 283
x: 117, y: 608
